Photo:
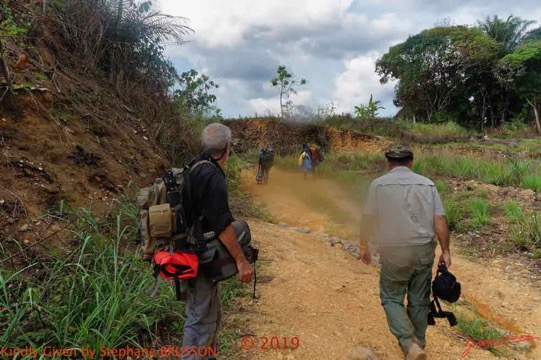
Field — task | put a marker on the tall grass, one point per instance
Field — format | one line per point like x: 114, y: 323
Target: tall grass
x: 519, y: 173
x: 402, y: 130
x: 454, y: 213
x: 96, y: 294
x: 478, y: 209
x: 513, y: 212
x: 526, y: 234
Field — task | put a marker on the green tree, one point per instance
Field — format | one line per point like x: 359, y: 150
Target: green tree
x: 368, y: 111
x: 521, y: 71
x: 195, y: 93
x: 286, y: 82
x: 510, y: 32
x: 438, y: 70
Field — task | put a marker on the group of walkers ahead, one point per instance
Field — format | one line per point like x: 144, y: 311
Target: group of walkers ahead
x: 309, y: 159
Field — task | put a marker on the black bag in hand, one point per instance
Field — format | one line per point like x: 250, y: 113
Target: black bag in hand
x: 445, y: 285
x: 447, y: 288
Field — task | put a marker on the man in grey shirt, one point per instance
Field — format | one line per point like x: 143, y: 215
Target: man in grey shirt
x: 403, y: 214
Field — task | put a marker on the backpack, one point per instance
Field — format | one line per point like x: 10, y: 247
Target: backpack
x: 319, y: 154
x: 163, y: 228
x: 162, y: 219
x: 313, y: 155
x: 266, y: 158
x: 178, y: 252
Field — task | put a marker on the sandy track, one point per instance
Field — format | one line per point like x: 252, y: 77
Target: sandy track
x: 330, y: 301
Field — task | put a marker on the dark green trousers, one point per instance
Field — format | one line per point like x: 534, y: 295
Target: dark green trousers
x: 407, y: 270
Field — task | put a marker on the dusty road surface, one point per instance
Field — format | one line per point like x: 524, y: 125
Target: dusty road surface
x: 325, y: 301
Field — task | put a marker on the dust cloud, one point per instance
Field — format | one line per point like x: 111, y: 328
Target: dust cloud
x: 319, y: 203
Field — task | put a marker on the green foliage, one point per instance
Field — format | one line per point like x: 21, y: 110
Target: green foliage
x: 478, y: 209
x: 531, y: 181
x: 526, y: 233
x: 427, y: 131
x: 521, y: 71
x: 368, y: 111
x: 431, y: 68
x: 480, y: 330
x: 509, y: 33
x: 123, y: 37
x: 287, y: 83
x: 96, y: 295
x: 519, y: 173
x: 195, y: 95
x: 513, y: 211
x: 472, y: 75
x: 454, y: 212
x: 12, y: 24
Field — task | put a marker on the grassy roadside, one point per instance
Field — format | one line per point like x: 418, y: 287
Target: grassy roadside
x: 96, y: 294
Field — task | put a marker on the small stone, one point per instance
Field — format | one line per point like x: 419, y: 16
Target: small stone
x: 11, y: 221
x: 332, y: 241
x: 303, y: 230
x: 282, y: 224
x: 25, y: 227
x: 362, y: 353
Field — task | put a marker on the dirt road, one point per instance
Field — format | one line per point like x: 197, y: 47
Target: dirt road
x: 329, y: 300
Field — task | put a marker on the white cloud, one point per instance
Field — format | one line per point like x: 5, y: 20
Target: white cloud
x: 264, y: 106
x: 332, y: 43
x: 355, y: 85
x: 227, y: 23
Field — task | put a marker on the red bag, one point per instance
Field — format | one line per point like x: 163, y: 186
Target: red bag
x: 175, y: 266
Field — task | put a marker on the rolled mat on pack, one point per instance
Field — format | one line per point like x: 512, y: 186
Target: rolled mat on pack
x: 176, y: 265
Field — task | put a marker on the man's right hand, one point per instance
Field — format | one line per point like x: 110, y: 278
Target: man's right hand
x: 246, y: 272
x: 445, y: 259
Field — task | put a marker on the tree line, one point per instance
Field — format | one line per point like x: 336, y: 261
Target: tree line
x: 479, y: 76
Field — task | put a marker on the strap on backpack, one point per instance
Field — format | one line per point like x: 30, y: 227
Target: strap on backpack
x: 181, y: 296
x: 439, y: 313
x: 200, y: 244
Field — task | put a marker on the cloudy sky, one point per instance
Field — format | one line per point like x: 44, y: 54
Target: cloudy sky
x: 331, y: 43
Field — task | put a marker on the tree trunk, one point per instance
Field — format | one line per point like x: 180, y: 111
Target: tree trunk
x: 281, y: 106
x: 4, y: 71
x: 536, y: 114
x: 114, y: 47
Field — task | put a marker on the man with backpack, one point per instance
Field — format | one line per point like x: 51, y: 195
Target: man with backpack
x: 403, y: 214
x: 265, y: 161
x: 208, y: 198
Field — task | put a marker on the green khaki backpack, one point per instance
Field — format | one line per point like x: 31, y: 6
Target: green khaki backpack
x: 162, y: 216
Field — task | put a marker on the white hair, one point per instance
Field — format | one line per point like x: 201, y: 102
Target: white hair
x: 215, y: 138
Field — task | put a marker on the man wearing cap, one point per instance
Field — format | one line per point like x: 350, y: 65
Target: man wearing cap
x: 403, y: 214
